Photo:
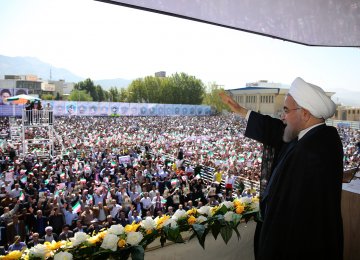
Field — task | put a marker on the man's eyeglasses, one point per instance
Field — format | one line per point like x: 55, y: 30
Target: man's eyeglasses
x: 288, y: 110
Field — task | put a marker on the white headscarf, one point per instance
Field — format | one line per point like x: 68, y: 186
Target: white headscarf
x: 312, y: 98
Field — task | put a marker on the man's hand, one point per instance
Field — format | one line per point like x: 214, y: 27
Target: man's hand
x: 235, y: 107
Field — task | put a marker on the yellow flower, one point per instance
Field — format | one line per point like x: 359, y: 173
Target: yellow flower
x: 213, y: 210
x: 255, y: 199
x: 48, y: 245
x: 55, y: 245
x: 94, y: 239
x: 148, y: 232
x: 192, y: 211
x: 191, y: 220
x: 102, y: 234
x: 14, y: 255
x: 131, y: 228
x: 239, y: 209
x: 121, y: 243
x: 161, y: 221
x: 237, y: 203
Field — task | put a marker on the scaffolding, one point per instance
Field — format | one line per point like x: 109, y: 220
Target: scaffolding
x: 38, y: 135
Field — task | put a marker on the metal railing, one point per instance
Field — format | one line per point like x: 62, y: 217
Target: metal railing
x: 37, y: 117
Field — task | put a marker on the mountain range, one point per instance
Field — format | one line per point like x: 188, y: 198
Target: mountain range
x: 45, y: 71
x: 33, y: 66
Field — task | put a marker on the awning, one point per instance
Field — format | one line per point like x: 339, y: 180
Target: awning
x: 308, y: 22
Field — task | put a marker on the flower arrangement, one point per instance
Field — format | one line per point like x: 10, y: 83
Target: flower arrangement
x: 120, y: 242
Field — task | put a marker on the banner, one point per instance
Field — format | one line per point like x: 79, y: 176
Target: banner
x: 80, y: 108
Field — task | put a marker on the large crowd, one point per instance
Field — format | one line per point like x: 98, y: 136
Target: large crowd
x: 122, y: 169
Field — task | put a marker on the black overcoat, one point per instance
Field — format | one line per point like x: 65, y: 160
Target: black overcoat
x: 302, y: 208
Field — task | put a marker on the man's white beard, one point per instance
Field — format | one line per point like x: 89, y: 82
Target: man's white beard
x: 289, y: 134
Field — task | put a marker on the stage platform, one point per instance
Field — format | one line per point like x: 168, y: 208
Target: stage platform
x: 214, y: 249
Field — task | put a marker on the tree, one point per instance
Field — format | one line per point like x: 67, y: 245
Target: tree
x: 100, y: 93
x: 79, y: 95
x: 57, y: 96
x: 188, y: 89
x: 123, y: 95
x: 213, y: 99
x: 47, y: 97
x: 89, y: 87
x: 113, y: 95
x: 176, y: 89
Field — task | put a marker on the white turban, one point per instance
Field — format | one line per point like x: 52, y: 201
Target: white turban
x: 312, y: 98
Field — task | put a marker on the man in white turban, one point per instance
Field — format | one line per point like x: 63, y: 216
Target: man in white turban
x: 312, y: 98
x: 301, y: 177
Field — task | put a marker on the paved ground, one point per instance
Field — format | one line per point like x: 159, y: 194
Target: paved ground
x: 214, y: 249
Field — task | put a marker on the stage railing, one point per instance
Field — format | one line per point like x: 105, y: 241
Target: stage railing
x: 37, y: 117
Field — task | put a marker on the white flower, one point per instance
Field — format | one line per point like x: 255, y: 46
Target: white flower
x: 228, y: 216
x: 134, y: 238
x: 180, y: 213
x: 79, y: 238
x: 228, y: 204
x: 245, y: 200
x: 201, y: 219
x: 40, y: 251
x: 110, y: 242
x: 204, y: 210
x: 171, y: 221
x: 148, y: 223
x: 63, y: 256
x: 116, y: 229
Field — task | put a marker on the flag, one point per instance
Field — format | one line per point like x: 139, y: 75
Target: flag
x: 22, y: 196
x: 62, y: 175
x: 24, y: 179
x: 174, y: 182
x: 83, y: 180
x: 76, y: 207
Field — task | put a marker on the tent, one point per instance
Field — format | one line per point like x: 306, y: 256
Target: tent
x: 21, y: 99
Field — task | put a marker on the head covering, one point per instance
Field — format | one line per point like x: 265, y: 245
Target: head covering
x: 49, y: 228
x: 312, y: 98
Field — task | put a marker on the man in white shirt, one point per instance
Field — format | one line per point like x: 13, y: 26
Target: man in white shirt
x: 146, y: 202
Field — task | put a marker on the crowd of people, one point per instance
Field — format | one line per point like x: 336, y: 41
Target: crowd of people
x: 120, y: 170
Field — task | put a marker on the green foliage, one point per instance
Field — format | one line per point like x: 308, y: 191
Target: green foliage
x: 201, y: 233
x: 226, y: 233
x: 88, y: 86
x: 176, y: 89
x: 213, y: 99
x: 79, y: 95
x: 47, y: 97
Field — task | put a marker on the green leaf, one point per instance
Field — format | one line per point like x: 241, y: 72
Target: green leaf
x: 192, y: 236
x: 162, y: 240
x: 237, y: 232
x: 200, y: 233
x: 215, y: 229
x: 236, y: 219
x: 221, y: 210
x: 137, y: 253
x: 226, y: 233
x: 175, y: 236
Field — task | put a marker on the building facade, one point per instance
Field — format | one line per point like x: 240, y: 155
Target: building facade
x: 347, y: 113
x: 263, y: 97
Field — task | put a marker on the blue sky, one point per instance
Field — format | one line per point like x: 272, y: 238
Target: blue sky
x: 98, y: 40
